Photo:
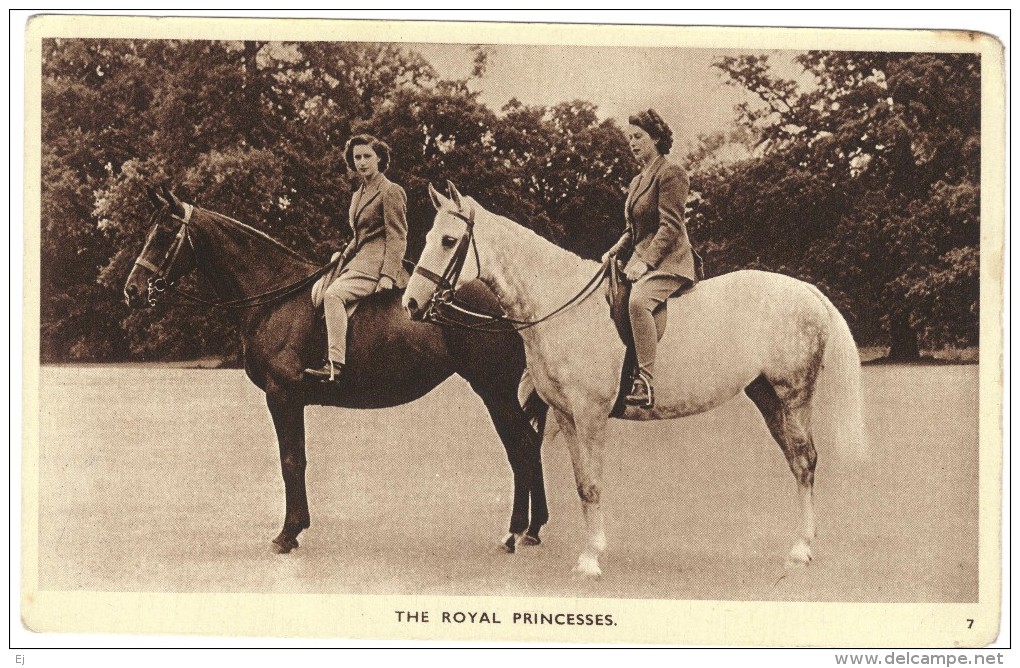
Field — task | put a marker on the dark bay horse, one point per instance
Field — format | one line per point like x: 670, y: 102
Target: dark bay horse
x: 391, y: 360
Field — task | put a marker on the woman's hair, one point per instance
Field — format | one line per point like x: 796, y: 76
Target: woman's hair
x: 652, y: 123
x: 381, y: 149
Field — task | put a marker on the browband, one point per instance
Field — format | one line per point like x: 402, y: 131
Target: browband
x: 187, y: 213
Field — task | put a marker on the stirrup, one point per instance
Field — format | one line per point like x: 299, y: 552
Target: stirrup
x: 636, y: 397
x: 328, y: 373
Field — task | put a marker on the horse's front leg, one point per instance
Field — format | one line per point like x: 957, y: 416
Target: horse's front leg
x: 586, y: 441
x: 289, y: 420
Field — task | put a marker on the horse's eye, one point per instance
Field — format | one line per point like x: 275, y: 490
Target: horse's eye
x: 449, y: 242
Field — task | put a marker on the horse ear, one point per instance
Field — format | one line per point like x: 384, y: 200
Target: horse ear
x: 157, y: 201
x: 454, y: 194
x: 437, y: 199
x: 176, y: 208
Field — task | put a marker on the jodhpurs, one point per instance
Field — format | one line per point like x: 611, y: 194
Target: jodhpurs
x: 344, y: 291
x: 650, y: 291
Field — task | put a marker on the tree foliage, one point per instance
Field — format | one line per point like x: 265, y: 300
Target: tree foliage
x: 256, y: 130
x: 866, y: 184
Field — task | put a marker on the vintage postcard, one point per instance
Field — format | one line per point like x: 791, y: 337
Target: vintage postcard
x: 319, y: 344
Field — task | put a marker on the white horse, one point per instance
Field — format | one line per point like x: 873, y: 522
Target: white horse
x: 765, y: 334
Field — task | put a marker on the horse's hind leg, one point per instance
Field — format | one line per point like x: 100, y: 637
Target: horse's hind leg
x: 539, y: 506
x: 523, y: 451
x: 790, y: 425
x: 536, y: 412
x: 289, y: 420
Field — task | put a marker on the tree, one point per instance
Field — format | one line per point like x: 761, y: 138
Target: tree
x: 251, y: 129
x: 867, y: 184
x: 576, y: 167
x: 256, y: 130
x: 558, y: 171
x: 89, y: 125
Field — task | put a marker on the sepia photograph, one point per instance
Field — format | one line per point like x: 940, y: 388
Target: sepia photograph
x: 502, y: 332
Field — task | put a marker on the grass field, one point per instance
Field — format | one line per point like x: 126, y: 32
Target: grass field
x: 164, y: 479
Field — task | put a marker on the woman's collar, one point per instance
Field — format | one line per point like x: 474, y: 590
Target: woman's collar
x: 374, y: 182
x: 652, y: 166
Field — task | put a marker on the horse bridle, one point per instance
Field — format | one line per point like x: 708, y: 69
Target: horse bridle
x: 446, y: 284
x: 444, y: 298
x: 158, y: 282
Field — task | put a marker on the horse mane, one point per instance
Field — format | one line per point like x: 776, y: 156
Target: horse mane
x: 528, y: 232
x: 258, y: 234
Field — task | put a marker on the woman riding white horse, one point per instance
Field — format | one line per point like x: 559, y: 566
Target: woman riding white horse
x: 660, y: 260
x: 765, y: 334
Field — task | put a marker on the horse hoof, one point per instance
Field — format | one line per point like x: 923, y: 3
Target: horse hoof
x: 588, y: 567
x: 509, y: 543
x: 528, y: 540
x: 283, y: 545
x: 800, y: 556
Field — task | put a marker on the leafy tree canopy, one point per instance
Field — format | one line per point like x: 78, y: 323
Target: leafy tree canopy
x: 256, y: 130
x: 866, y: 184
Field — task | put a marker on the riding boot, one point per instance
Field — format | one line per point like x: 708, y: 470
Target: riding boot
x: 328, y: 373
x: 641, y: 393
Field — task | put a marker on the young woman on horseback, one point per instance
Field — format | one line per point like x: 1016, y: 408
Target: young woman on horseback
x: 660, y: 259
x: 374, y: 257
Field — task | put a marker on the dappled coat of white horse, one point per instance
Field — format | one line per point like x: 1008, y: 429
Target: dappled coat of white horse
x: 768, y: 335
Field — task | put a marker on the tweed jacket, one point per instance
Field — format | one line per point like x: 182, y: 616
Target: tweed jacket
x: 655, y: 221
x: 378, y: 217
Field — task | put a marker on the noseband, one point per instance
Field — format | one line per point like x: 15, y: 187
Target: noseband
x: 446, y: 284
x: 158, y: 282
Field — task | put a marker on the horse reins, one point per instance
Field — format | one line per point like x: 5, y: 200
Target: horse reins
x: 445, y: 295
x: 158, y: 283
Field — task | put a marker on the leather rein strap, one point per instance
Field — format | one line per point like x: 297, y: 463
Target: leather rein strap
x: 159, y: 283
x: 445, y: 296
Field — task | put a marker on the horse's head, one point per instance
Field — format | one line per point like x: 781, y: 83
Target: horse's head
x: 167, y: 254
x: 442, y: 264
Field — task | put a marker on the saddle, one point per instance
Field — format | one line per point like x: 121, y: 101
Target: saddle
x: 618, y: 295
x: 319, y: 287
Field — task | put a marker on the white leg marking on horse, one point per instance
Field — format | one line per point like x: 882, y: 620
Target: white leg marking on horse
x: 588, y: 565
x: 800, y: 555
x: 524, y: 540
x: 510, y: 541
x: 770, y: 327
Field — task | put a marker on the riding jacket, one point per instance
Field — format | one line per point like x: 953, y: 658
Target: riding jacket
x: 655, y: 221
x: 378, y: 217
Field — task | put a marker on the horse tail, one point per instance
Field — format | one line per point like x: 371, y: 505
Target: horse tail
x: 839, y: 384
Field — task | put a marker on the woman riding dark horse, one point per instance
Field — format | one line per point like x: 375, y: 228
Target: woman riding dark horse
x: 390, y: 359
x: 373, y: 261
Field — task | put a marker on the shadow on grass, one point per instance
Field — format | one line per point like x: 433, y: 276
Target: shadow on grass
x: 875, y: 355
x: 924, y: 360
